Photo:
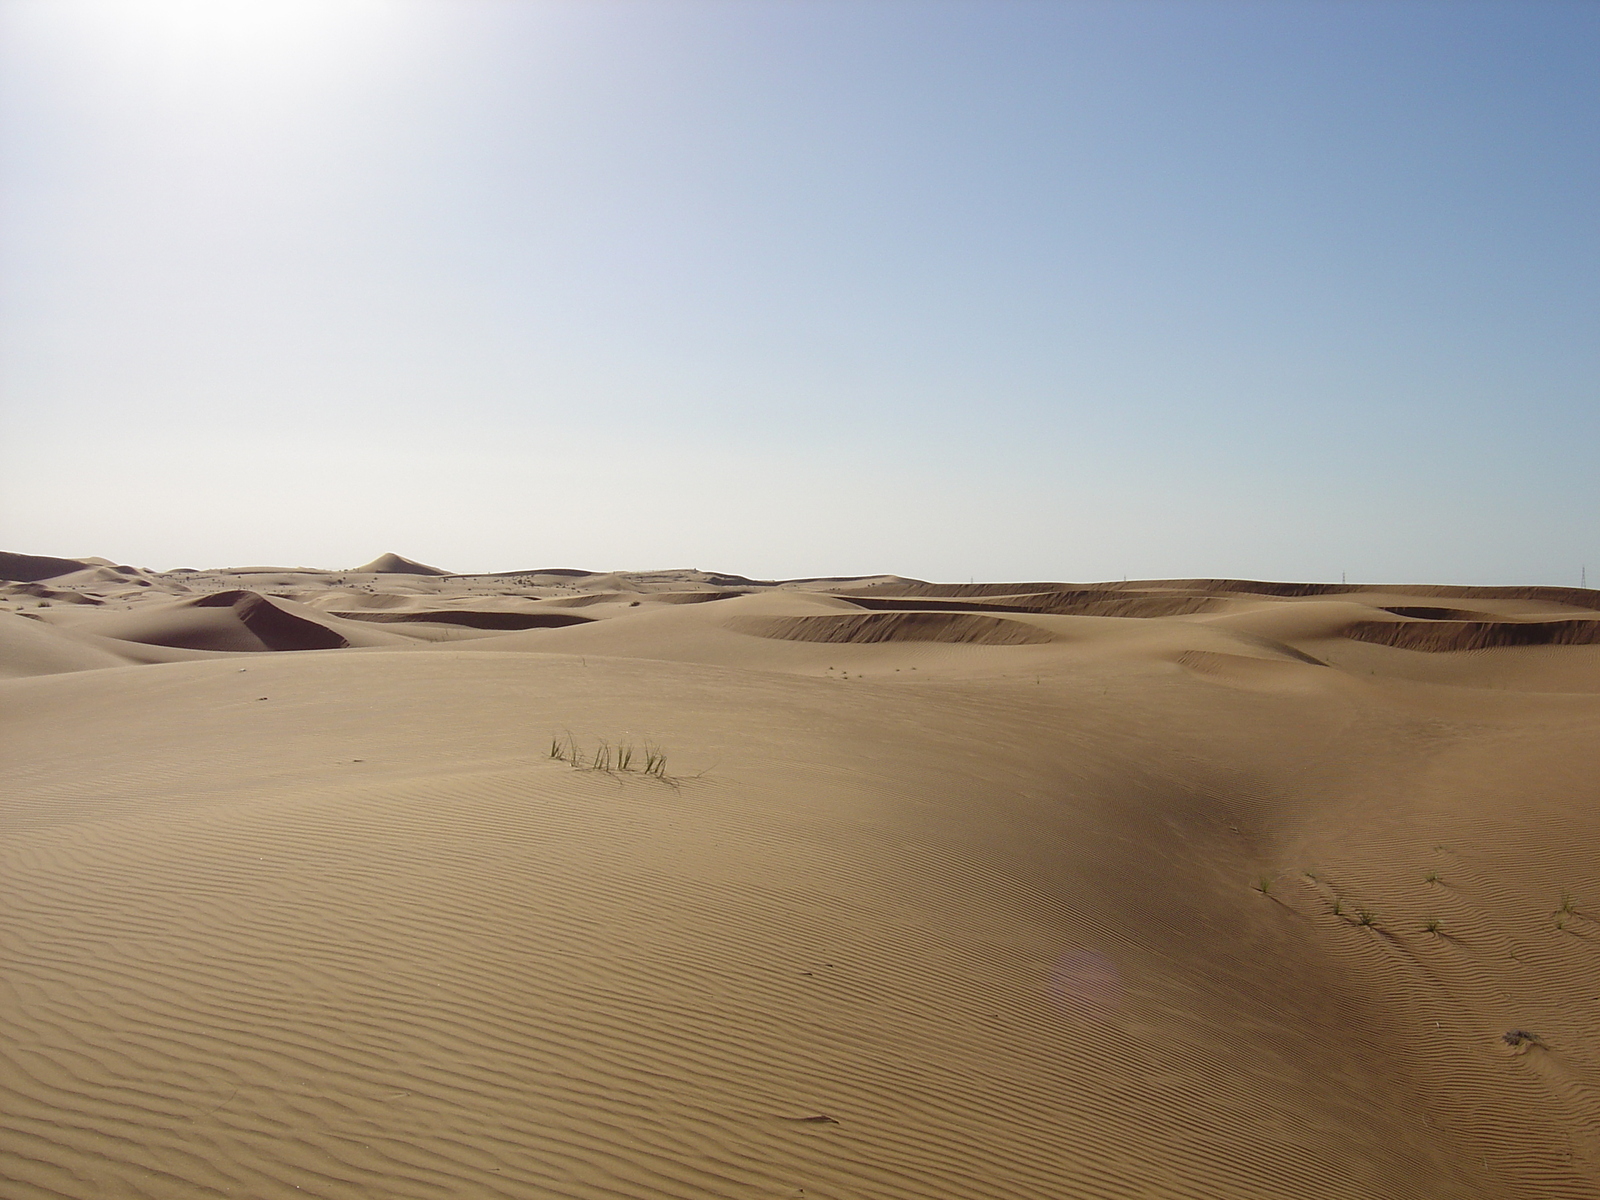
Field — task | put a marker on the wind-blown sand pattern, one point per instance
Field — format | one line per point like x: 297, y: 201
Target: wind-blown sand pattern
x: 1170, y: 889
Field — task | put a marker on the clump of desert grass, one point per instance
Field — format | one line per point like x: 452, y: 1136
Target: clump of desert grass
x: 611, y: 758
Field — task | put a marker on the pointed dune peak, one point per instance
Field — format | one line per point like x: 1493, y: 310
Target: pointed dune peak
x: 393, y: 564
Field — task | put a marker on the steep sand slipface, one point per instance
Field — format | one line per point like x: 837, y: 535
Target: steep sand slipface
x: 1117, y: 906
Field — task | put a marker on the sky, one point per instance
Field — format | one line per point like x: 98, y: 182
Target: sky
x: 993, y: 289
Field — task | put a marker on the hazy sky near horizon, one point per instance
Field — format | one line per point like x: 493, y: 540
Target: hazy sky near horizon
x: 993, y: 288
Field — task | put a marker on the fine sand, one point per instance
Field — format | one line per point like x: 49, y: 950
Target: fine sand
x: 1198, y: 888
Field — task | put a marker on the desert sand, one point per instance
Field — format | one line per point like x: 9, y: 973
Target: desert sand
x: 313, y: 886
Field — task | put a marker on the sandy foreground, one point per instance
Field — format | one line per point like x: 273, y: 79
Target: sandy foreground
x: 1184, y: 888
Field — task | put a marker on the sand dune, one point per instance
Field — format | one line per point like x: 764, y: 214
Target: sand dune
x: 29, y: 568
x: 394, y: 564
x: 1170, y: 889
x: 237, y: 621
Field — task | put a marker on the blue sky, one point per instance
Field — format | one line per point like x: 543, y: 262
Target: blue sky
x: 994, y: 289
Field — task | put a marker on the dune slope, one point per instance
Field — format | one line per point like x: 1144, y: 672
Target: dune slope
x: 1216, y: 903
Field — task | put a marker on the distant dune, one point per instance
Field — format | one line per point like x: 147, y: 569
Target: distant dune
x: 393, y: 564
x: 390, y: 882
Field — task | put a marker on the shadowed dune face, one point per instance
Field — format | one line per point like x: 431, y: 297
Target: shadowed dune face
x: 277, y: 629
x: 1450, y: 635
x: 1424, y: 612
x: 940, y: 892
x: 231, y: 621
x: 470, y: 618
x: 30, y: 568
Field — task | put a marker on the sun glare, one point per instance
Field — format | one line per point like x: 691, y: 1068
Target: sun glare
x: 251, y: 21
x: 234, y: 33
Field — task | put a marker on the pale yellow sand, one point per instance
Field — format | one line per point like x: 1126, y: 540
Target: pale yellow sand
x: 937, y: 901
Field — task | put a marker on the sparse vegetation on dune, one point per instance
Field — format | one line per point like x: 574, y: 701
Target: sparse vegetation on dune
x: 622, y: 757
